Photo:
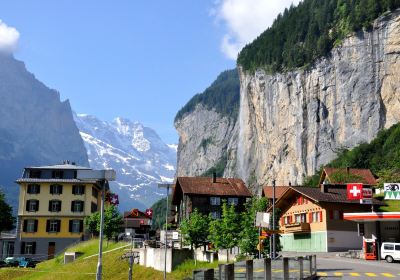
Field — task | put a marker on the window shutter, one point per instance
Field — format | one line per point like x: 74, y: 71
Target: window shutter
x: 29, y: 190
x: 27, y: 205
x: 83, y: 189
x: 331, y: 214
x: 59, y: 206
x: 50, y: 205
x: 61, y: 187
x: 341, y: 215
x: 81, y: 226
x: 74, y: 189
x: 37, y: 205
x: 51, y: 189
x: 22, y: 248
x: 25, y: 225
x: 310, y: 217
x: 33, y: 248
x: 320, y: 216
x: 82, y: 206
x: 58, y: 225
x: 282, y: 222
x: 47, y: 225
x: 72, y: 206
x: 70, y: 225
x: 38, y: 189
x: 36, y: 225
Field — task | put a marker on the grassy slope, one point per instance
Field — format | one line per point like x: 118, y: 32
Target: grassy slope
x: 113, y: 267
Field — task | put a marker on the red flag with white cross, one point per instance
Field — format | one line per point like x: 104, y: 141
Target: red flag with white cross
x: 354, y: 191
x: 149, y: 213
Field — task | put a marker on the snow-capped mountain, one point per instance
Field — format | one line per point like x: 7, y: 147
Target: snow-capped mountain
x: 138, y: 155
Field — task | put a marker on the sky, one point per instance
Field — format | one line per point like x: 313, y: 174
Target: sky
x: 141, y: 60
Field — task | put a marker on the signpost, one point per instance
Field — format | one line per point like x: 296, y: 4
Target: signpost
x: 392, y: 191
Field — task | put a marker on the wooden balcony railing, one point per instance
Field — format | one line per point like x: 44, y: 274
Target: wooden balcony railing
x: 297, y: 227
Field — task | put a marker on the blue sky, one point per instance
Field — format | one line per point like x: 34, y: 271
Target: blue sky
x: 142, y: 60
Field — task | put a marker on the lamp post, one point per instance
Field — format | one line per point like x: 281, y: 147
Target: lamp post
x: 273, y: 220
x: 167, y: 186
x: 102, y: 177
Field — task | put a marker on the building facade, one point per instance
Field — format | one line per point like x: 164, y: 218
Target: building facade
x: 207, y: 195
x: 52, y: 206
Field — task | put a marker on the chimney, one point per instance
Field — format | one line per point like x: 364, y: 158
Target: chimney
x: 214, y: 177
x: 324, y: 188
x: 290, y: 184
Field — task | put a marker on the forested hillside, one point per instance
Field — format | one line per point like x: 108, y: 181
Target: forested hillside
x: 223, y: 95
x: 382, y: 156
x: 309, y: 31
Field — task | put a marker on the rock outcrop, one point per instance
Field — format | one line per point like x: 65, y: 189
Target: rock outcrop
x: 292, y: 123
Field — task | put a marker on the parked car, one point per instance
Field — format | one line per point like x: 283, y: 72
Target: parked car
x: 12, y: 261
x: 26, y: 262
x: 3, y: 263
x: 390, y: 251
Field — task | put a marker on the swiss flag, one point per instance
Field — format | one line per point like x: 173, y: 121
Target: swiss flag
x: 149, y: 213
x: 354, y: 191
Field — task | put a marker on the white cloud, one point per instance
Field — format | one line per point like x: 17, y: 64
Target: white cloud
x: 245, y: 20
x: 9, y: 37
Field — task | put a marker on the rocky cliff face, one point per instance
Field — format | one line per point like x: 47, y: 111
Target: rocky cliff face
x: 292, y: 123
x: 35, y: 126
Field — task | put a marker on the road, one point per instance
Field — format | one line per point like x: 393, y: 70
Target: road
x: 331, y: 267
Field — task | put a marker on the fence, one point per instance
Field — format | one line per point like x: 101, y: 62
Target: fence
x: 266, y: 269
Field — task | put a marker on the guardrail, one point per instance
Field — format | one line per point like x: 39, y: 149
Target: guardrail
x: 285, y: 268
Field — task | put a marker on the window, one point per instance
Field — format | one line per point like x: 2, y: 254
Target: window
x: 316, y: 217
x: 53, y: 225
x: 215, y: 214
x: 397, y: 247
x: 233, y: 200
x: 287, y: 220
x: 32, y: 205
x: 388, y: 247
x: 93, y: 207
x: 28, y: 248
x: 56, y: 189
x: 300, y: 218
x: 54, y: 205
x: 77, y: 206
x: 57, y: 174
x: 78, y: 189
x: 35, y: 173
x: 75, y: 226
x: 336, y: 215
x: 215, y: 200
x: 30, y: 226
x: 33, y: 189
x: 95, y: 192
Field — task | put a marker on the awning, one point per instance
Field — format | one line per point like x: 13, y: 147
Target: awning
x: 372, y: 216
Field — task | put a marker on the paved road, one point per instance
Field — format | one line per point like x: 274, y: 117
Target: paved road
x: 330, y: 267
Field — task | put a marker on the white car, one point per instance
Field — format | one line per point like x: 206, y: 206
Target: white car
x: 390, y: 251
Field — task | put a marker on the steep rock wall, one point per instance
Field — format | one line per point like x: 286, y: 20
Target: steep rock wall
x: 290, y: 124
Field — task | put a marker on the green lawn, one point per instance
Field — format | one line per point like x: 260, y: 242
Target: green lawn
x: 392, y: 205
x: 113, y: 266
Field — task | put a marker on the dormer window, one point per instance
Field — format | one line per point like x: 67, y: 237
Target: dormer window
x: 35, y: 173
x: 57, y: 174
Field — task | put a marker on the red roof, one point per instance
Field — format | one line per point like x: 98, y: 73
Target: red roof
x: 364, y: 176
x: 205, y: 186
x: 279, y: 190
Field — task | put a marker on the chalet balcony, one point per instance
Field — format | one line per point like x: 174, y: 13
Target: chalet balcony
x: 297, y: 227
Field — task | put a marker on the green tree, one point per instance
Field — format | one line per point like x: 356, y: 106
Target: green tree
x: 224, y: 232
x: 195, y: 230
x: 249, y: 233
x: 112, y: 222
x: 6, y: 219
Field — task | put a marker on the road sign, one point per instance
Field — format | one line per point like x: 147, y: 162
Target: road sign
x: 392, y: 191
x: 274, y: 231
x: 354, y: 191
x: 262, y: 219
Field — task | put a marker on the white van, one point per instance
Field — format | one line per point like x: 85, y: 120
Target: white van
x: 390, y: 251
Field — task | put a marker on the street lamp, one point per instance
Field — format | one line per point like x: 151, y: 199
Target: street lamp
x: 167, y: 186
x: 101, y: 176
x: 273, y: 220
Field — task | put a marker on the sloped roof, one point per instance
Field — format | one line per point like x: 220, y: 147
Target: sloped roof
x: 53, y: 180
x: 60, y: 167
x: 205, y: 186
x: 364, y: 176
x: 279, y: 190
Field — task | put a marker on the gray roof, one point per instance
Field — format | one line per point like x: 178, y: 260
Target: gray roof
x: 40, y: 180
x: 60, y: 166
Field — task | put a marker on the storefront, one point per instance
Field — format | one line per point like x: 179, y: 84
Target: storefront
x: 375, y: 228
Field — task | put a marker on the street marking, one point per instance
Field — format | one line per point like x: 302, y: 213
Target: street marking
x: 322, y: 274
x: 240, y: 270
x: 338, y: 273
x: 354, y: 274
x: 259, y: 270
x: 388, y: 275
x: 370, y: 274
x: 277, y: 270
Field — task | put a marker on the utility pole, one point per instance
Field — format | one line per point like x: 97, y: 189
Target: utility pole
x: 273, y: 220
x: 167, y: 186
x: 99, y: 260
